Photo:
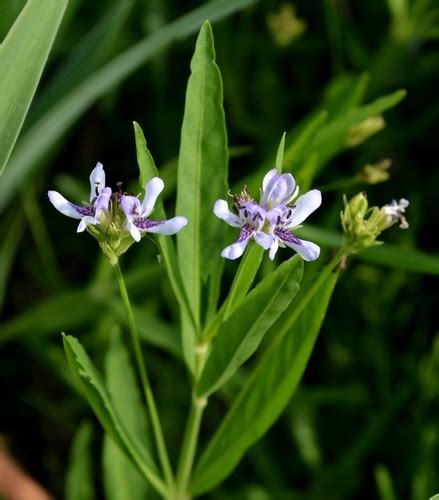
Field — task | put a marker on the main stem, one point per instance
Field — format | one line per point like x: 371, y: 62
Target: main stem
x: 192, y: 431
x: 149, y: 397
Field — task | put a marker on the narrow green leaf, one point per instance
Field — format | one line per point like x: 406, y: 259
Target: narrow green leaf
x: 331, y: 138
x: 79, y: 479
x: 240, y: 335
x: 147, y: 167
x: 280, y: 153
x: 247, y: 270
x: 202, y: 171
x: 23, y: 55
x: 97, y: 395
x: 122, y: 481
x: 344, y: 93
x: 265, y: 395
x: 148, y: 170
x: 50, y: 128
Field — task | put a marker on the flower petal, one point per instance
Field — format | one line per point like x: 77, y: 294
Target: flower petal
x: 152, y: 189
x: 263, y: 239
x: 130, y: 205
x: 221, y: 210
x: 267, y: 178
x: 134, y: 231
x: 278, y: 190
x: 235, y: 251
x: 307, y: 249
x: 169, y: 227
x: 274, y: 248
x: 97, y: 181
x: 304, y: 206
x: 64, y: 206
x: 103, y: 200
x: 84, y: 223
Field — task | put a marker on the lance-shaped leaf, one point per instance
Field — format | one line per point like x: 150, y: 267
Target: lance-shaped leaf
x: 148, y: 170
x: 266, y: 393
x: 240, y: 335
x: 202, y: 171
x: 122, y: 480
x: 23, y: 55
x: 89, y: 380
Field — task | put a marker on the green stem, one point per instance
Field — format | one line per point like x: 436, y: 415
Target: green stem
x: 149, y: 397
x: 192, y: 431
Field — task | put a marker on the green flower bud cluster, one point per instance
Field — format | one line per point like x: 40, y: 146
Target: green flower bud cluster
x: 362, y: 225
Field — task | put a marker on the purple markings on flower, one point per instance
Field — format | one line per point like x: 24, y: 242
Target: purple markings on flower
x: 395, y: 211
x: 99, y: 201
x: 251, y: 219
x: 283, y: 219
x: 270, y: 223
x: 137, y: 220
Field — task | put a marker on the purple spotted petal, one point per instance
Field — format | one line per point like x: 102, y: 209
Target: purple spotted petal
x: 275, y: 215
x: 167, y: 227
x: 130, y: 205
x: 97, y: 181
x: 263, y: 239
x: 235, y: 251
x: 66, y: 208
x: 304, y: 206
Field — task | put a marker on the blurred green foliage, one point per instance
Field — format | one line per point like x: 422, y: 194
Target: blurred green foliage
x: 364, y: 422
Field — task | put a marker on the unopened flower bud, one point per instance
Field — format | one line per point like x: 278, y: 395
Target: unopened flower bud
x: 374, y: 173
x: 360, y: 132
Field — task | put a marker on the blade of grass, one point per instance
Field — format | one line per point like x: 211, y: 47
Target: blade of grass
x: 23, y: 55
x: 43, y: 134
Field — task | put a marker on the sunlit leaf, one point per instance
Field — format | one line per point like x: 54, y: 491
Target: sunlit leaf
x: 122, y: 481
x: 240, y: 335
x: 23, y: 55
x: 265, y: 394
x: 91, y: 384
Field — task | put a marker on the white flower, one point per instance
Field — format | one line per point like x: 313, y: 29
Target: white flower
x: 99, y: 201
x: 270, y: 223
x: 394, y: 211
x: 137, y: 214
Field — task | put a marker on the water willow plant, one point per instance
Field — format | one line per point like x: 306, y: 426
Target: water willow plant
x: 216, y: 340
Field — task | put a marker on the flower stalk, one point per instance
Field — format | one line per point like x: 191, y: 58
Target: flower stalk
x: 149, y: 397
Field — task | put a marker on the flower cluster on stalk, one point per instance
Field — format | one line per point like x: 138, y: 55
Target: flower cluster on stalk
x: 117, y: 219
x: 271, y: 222
x: 363, y: 224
